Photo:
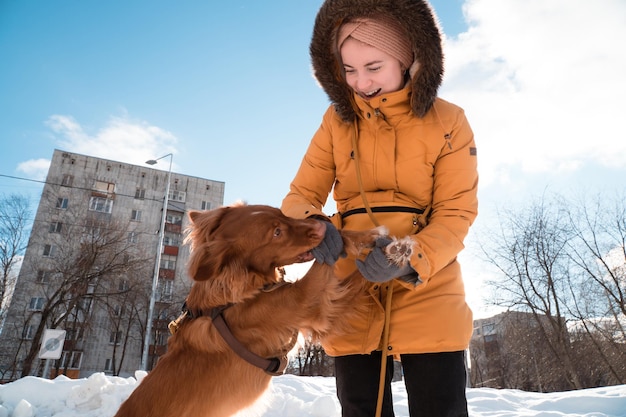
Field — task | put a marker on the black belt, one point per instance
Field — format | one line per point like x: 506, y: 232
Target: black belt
x: 384, y: 209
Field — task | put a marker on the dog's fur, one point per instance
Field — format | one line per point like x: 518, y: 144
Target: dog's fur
x: 235, y: 252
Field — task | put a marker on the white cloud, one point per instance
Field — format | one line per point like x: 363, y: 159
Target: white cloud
x: 542, y: 83
x: 121, y: 139
x: 36, y: 169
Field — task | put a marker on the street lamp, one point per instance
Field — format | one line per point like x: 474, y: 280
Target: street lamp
x: 157, y: 263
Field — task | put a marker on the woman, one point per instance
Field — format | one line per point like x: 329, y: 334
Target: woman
x: 393, y: 154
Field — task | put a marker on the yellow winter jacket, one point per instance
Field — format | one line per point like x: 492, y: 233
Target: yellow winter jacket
x: 424, y: 162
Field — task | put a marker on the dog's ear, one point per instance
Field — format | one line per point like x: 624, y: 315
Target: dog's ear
x: 193, y: 215
x: 205, y: 222
x: 209, y: 260
x: 204, y: 260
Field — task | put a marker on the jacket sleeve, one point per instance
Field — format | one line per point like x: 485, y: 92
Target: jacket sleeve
x: 314, y: 180
x: 454, y: 202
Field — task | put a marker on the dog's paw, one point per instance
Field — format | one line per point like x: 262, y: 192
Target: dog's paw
x: 356, y: 242
x: 399, y: 251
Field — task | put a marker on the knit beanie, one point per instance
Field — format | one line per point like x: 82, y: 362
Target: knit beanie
x: 381, y: 32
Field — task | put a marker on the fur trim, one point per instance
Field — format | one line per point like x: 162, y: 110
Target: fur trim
x: 417, y: 19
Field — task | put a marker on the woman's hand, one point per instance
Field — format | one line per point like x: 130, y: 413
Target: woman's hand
x: 378, y: 268
x: 331, y: 248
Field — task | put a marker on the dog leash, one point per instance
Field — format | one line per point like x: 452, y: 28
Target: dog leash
x: 368, y: 209
x: 383, y: 365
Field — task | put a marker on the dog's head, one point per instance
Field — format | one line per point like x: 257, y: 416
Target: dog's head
x: 247, y: 240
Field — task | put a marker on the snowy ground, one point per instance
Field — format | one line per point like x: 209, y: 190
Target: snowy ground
x: 292, y: 396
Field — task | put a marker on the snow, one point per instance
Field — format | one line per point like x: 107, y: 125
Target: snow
x: 294, y: 396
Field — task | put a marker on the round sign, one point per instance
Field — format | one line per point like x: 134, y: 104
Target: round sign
x: 52, y: 344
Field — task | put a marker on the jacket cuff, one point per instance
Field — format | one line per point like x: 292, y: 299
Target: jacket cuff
x: 420, y: 263
x: 303, y: 211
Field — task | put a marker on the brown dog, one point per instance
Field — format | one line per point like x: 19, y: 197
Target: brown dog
x: 236, y: 253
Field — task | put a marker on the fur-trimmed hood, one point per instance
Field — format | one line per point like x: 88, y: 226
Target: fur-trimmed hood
x: 417, y: 19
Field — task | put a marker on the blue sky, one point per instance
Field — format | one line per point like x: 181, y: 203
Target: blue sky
x: 227, y: 87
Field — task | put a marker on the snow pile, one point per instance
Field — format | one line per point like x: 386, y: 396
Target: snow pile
x: 293, y: 396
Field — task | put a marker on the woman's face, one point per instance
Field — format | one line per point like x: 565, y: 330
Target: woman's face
x: 370, y: 72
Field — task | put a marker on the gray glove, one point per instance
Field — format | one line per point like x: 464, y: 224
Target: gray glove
x: 331, y: 247
x: 377, y: 268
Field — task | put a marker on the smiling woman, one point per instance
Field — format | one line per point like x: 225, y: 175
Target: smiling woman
x: 393, y: 154
x: 370, y: 71
x: 376, y: 56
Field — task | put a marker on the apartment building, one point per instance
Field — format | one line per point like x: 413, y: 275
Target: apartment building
x: 90, y: 263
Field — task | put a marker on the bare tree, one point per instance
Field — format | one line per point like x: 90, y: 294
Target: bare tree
x: 311, y: 360
x: 599, y: 253
x: 15, y: 217
x: 124, y: 319
x: 531, y: 253
x: 563, y: 261
x: 75, y: 277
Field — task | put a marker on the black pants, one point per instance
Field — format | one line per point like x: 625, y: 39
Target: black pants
x: 435, y: 384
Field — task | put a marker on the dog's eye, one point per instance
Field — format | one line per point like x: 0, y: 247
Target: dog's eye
x: 277, y: 232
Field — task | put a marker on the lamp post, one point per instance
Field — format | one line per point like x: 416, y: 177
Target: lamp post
x: 157, y: 264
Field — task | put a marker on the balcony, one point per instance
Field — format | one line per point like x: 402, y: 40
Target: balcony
x: 166, y: 273
x: 173, y: 228
x: 170, y: 250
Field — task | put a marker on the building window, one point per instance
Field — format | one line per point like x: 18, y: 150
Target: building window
x: 176, y: 195
x: 28, y: 332
x: 132, y: 237
x: 160, y: 338
x: 163, y: 314
x: 55, y: 227
x: 166, y: 289
x: 75, y: 334
x: 43, y: 277
x: 118, y: 311
x: 115, y: 338
x: 85, y: 304
x: 136, y: 215
x: 123, y: 285
x: 489, y: 328
x: 168, y: 262
x: 490, y: 338
x: 174, y: 218
x: 36, y: 303
x: 99, y: 204
x: 108, y: 366
x: 140, y: 193
x: 62, y: 203
x: 206, y: 205
x: 92, y: 235
x: 71, y: 360
x: 49, y: 250
x: 67, y: 180
x: 169, y: 240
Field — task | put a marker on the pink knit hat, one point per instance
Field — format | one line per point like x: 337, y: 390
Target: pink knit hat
x: 381, y: 32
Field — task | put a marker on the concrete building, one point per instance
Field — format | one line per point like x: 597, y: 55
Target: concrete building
x: 509, y: 350
x: 90, y: 262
